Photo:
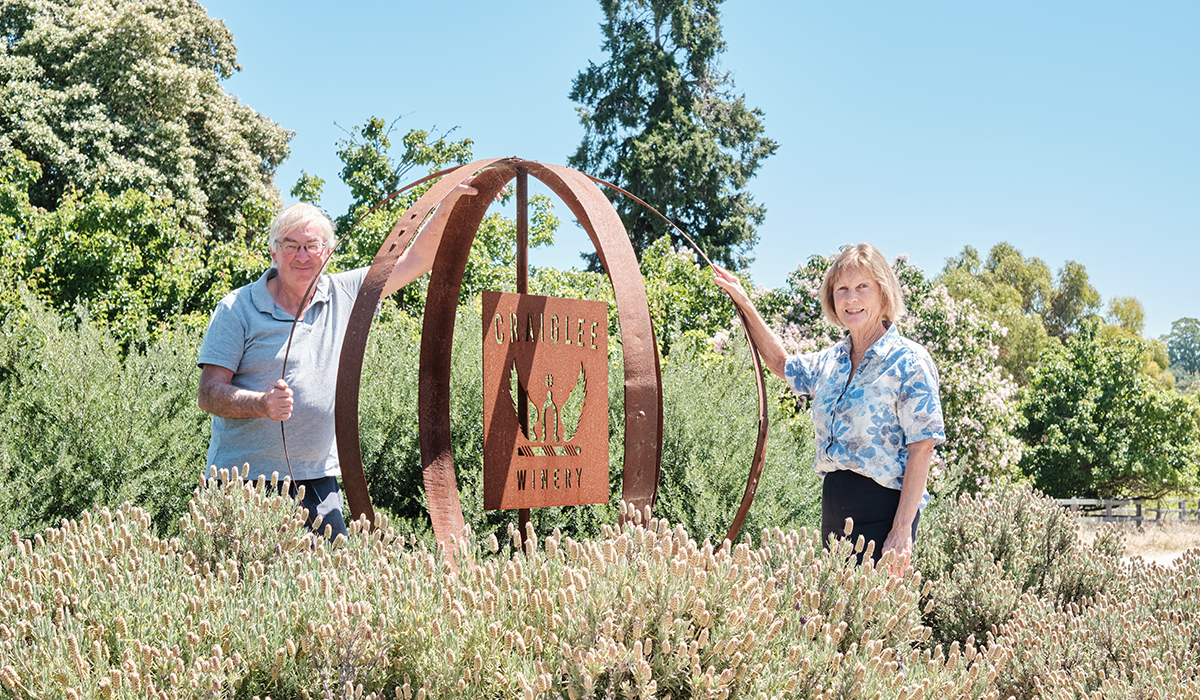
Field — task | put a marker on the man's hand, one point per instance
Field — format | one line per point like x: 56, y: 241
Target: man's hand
x: 278, y: 401
x: 418, y: 259
x: 220, y: 397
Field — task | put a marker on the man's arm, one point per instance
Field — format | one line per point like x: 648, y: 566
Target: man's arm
x: 418, y: 259
x: 220, y: 397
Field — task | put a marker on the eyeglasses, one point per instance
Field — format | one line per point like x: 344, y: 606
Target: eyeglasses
x: 313, y: 248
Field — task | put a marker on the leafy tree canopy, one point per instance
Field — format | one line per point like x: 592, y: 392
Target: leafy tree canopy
x: 1128, y: 313
x: 1010, y: 289
x: 1024, y: 297
x: 128, y: 257
x: 661, y: 119
x: 1183, y: 345
x: 111, y: 95
x: 1095, y: 425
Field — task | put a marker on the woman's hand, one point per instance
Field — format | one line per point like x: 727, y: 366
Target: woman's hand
x: 732, y: 285
x: 916, y: 474
x: 769, y: 344
x: 899, y: 541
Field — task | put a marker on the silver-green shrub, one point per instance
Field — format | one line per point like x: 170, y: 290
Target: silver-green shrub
x: 101, y: 608
x: 85, y: 423
x: 987, y: 550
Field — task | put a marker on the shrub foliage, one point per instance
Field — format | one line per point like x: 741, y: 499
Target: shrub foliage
x: 242, y: 603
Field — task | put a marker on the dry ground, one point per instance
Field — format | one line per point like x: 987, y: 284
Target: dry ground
x: 1161, y: 543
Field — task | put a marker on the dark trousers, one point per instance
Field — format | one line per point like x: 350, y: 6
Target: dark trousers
x: 847, y: 494
x: 322, y: 497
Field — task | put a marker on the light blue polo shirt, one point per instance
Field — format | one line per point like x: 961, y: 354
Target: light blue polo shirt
x: 248, y: 334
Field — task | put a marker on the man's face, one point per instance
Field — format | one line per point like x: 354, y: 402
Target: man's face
x: 300, y: 254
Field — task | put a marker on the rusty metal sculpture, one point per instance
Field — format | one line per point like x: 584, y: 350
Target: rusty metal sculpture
x: 545, y: 401
x: 643, y: 385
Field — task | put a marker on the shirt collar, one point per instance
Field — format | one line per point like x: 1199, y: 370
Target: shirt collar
x: 265, y: 303
x: 883, y: 346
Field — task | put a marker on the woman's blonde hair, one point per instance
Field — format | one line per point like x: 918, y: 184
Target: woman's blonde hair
x: 297, y: 216
x: 867, y: 259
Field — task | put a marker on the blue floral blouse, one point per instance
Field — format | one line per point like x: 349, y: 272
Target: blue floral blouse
x: 866, y: 425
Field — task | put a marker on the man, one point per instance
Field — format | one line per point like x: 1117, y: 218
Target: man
x: 241, y: 359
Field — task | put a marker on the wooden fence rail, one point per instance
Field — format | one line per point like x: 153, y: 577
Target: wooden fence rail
x: 1133, y: 510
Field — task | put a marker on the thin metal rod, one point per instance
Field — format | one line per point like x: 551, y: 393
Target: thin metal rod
x: 523, y: 514
x: 661, y: 215
x: 311, y: 285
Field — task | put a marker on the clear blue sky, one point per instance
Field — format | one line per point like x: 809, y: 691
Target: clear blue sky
x: 1070, y: 129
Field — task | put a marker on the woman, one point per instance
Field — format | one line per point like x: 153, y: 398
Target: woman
x: 875, y: 409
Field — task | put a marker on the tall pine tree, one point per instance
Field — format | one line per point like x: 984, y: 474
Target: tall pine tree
x: 661, y: 120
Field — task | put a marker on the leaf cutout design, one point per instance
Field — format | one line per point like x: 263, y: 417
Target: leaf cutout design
x: 514, y: 391
x: 572, y: 410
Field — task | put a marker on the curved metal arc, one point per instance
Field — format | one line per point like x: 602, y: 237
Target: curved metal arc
x: 643, y: 385
x: 287, y: 351
x: 760, y: 448
x: 643, y: 382
x: 349, y: 378
x: 437, y: 337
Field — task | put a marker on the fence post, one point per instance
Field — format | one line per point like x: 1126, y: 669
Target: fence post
x: 1138, y: 503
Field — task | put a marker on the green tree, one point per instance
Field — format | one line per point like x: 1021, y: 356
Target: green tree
x: 661, y: 120
x: 111, y: 95
x: 1010, y: 289
x: 1095, y: 425
x: 1075, y: 299
x: 1128, y: 313
x: 1183, y: 345
x: 1022, y: 296
x: 130, y: 258
x: 1028, y: 277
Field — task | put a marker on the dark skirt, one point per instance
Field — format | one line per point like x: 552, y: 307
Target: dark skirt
x: 847, y: 494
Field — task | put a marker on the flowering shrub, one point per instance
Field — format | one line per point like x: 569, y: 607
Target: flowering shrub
x: 988, y: 549
x: 977, y: 397
x: 243, y: 603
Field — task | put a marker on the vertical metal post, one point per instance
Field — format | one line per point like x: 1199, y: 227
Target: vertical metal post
x: 523, y: 514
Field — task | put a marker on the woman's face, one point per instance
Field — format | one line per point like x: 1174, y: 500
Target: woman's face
x: 858, y: 301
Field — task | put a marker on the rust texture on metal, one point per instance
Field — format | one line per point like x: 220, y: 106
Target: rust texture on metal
x: 523, y: 514
x: 760, y: 448
x: 355, y: 343
x: 554, y: 353
x: 643, y: 400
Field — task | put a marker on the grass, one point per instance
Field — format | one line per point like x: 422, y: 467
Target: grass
x: 1161, y: 543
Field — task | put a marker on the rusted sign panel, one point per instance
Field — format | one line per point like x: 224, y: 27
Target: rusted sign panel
x: 545, y: 401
